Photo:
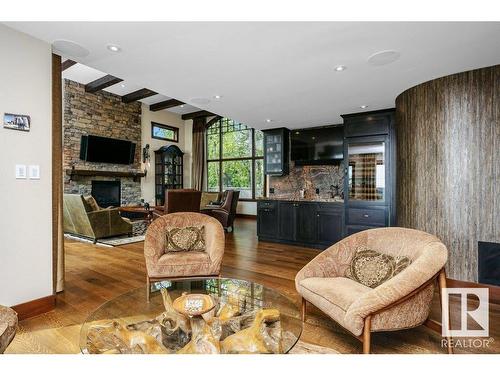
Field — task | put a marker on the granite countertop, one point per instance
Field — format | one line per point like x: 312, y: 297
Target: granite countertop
x: 296, y: 199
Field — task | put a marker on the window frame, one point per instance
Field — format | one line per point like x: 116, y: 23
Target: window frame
x: 166, y: 127
x: 253, y: 158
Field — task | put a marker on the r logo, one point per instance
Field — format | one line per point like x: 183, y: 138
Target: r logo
x: 479, y: 315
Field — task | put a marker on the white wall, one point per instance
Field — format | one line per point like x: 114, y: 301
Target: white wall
x: 166, y: 118
x: 25, y: 221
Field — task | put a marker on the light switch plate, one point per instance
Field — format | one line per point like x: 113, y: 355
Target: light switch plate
x: 34, y: 172
x: 20, y: 171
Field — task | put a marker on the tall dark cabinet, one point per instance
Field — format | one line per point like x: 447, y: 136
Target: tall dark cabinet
x: 276, y: 151
x: 169, y: 167
x: 369, y: 183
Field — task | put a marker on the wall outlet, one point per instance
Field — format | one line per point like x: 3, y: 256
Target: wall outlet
x: 34, y: 172
x: 20, y: 171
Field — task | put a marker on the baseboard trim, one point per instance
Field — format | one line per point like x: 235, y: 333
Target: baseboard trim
x: 246, y: 216
x: 494, y: 291
x: 36, y: 307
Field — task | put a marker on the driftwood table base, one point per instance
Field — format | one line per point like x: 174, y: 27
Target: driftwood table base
x: 226, y: 329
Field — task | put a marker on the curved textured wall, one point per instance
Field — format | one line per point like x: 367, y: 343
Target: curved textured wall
x: 448, y: 163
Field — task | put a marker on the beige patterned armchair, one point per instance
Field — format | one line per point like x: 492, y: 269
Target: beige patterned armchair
x: 412, y: 261
x: 162, y: 265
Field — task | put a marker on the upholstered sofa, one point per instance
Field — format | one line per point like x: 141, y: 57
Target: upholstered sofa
x: 398, y: 302
x: 86, y: 219
x: 162, y: 265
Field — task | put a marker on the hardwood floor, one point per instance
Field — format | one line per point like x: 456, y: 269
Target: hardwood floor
x: 97, y: 274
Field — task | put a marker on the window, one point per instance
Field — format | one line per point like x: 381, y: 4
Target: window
x: 235, y: 159
x: 164, y: 132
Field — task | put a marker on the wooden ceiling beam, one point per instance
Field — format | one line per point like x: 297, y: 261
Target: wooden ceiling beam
x: 165, y: 104
x: 138, y: 95
x: 102, y: 83
x: 192, y: 115
x: 67, y: 64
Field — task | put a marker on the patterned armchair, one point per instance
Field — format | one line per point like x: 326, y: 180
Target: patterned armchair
x: 376, y: 280
x: 162, y: 265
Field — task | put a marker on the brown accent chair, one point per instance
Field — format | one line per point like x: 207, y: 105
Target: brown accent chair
x: 8, y: 327
x: 83, y: 219
x: 179, y: 200
x: 226, y: 211
x: 401, y: 302
x: 184, y: 264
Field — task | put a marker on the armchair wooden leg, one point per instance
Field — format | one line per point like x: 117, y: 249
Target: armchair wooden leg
x: 442, y: 285
x: 304, y: 309
x: 367, y: 335
x: 148, y: 288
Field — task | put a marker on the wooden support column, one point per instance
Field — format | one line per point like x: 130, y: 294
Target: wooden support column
x: 57, y: 177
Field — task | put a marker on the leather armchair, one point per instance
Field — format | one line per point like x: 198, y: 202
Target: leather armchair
x: 82, y: 220
x: 226, y: 211
x: 179, y: 200
x: 401, y: 302
x: 183, y: 264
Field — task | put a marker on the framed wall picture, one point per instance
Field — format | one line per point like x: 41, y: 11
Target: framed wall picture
x: 17, y: 122
x: 164, y: 132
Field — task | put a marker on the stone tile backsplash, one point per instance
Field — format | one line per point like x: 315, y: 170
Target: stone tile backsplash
x: 308, y: 177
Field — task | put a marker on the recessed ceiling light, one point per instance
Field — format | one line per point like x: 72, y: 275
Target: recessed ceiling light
x: 113, y: 47
x: 383, y: 57
x: 363, y: 106
x: 340, y: 68
x: 182, y: 105
x: 122, y: 85
x: 269, y: 120
x: 217, y: 97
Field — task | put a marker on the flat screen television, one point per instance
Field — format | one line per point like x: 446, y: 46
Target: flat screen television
x: 106, y: 150
x: 317, y: 146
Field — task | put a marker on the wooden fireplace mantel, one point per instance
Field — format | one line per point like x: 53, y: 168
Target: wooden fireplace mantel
x: 73, y: 172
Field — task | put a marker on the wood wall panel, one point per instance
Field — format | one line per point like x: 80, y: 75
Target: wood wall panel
x: 448, y: 167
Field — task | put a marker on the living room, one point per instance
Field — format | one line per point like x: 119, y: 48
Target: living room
x: 331, y: 190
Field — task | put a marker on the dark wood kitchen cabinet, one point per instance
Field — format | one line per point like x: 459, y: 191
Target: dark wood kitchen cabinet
x: 276, y: 151
x: 287, y: 220
x: 312, y: 224
x: 370, y: 170
x: 329, y: 224
x: 267, y: 224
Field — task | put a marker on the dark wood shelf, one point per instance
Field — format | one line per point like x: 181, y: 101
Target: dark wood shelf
x: 90, y: 172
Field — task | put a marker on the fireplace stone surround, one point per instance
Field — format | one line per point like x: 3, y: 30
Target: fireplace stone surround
x: 103, y: 114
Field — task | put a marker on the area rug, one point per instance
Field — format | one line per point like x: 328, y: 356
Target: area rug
x: 139, y: 228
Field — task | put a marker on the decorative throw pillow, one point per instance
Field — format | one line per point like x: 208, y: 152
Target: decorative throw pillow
x: 185, y: 239
x: 371, y: 268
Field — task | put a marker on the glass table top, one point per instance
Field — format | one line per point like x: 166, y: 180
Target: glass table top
x: 246, y: 318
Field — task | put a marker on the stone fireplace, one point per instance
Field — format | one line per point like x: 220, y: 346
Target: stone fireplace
x: 103, y: 114
x: 107, y: 193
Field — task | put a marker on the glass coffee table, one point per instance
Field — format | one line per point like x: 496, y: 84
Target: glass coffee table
x: 238, y: 317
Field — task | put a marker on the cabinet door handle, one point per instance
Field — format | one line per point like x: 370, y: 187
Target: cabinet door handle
x: 366, y: 215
